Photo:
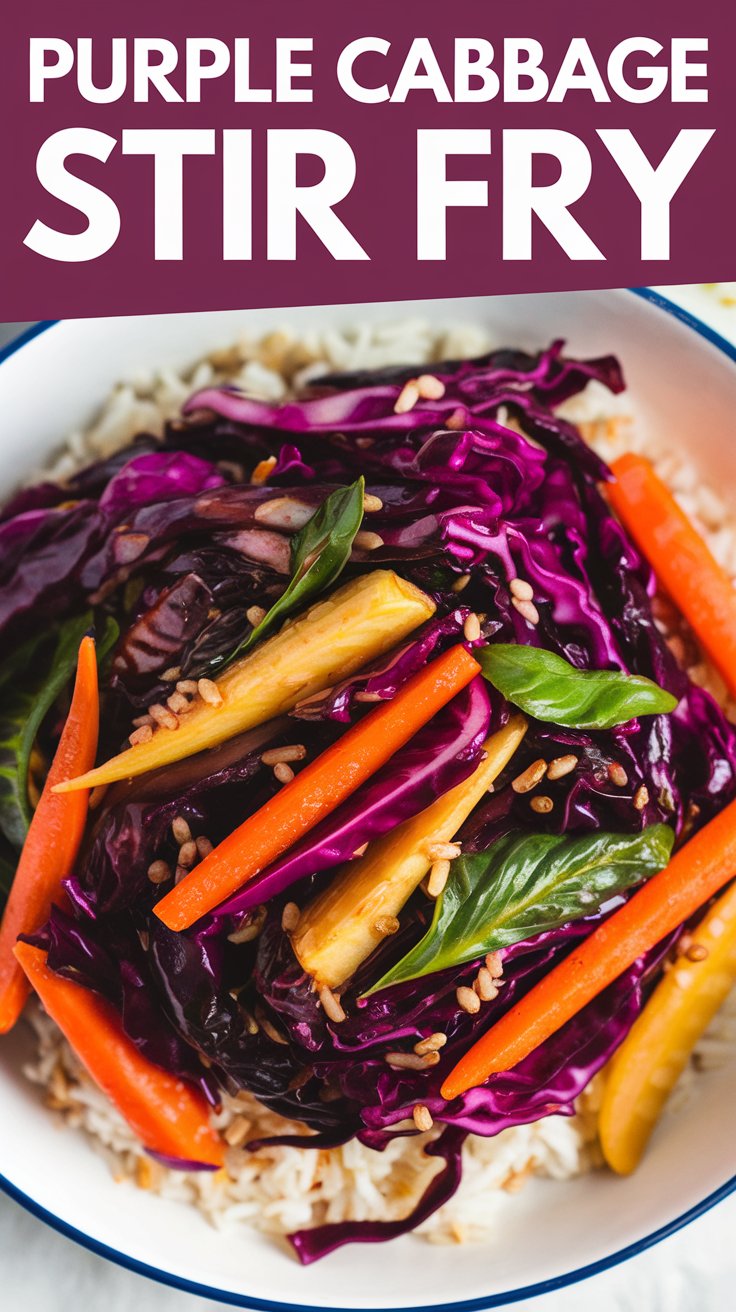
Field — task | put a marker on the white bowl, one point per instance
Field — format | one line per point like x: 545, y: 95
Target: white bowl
x: 683, y: 380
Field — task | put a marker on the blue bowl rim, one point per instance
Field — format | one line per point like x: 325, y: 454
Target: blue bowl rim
x: 467, y: 1305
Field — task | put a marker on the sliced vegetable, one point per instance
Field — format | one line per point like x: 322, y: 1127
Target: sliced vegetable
x: 656, y: 1050
x: 548, y: 687
x: 30, y: 689
x: 695, y: 873
x: 319, y: 553
x: 360, y: 621
x: 168, y: 1116
x: 439, y: 757
x: 317, y: 790
x: 53, y: 839
x: 680, y: 558
x: 343, y: 924
x: 526, y: 884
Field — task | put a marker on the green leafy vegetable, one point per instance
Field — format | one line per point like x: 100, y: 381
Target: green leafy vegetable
x: 550, y: 688
x: 319, y: 553
x: 524, y: 884
x: 30, y: 681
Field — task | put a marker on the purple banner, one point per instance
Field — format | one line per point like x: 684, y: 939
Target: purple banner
x: 158, y: 156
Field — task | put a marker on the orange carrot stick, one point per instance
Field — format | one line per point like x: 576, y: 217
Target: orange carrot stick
x: 317, y: 790
x: 53, y: 838
x: 679, y: 557
x: 168, y: 1116
x: 694, y: 874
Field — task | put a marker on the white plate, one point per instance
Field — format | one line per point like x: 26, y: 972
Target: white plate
x: 683, y: 379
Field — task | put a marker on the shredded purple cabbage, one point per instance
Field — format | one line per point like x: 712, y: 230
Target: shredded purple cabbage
x: 172, y: 539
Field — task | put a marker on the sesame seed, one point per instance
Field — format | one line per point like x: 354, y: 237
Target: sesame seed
x: 180, y: 873
x: 246, y: 934
x: 171, y: 675
x: 254, y: 615
x: 617, y: 775
x: 529, y: 778
x: 460, y: 584
x: 386, y: 925
x: 178, y: 703
x: 188, y: 854
x: 360, y: 851
x: 641, y: 797
x: 522, y: 590
x: 209, y: 692
x: 283, y: 773
x: 430, y: 388
x: 443, y: 851
x: 142, y: 735
x: 422, y: 1117
x: 438, y: 876
x: 561, y: 766
x: 277, y: 755
x: 283, y: 512
x: 237, y: 1131
x: 432, y: 1043
x: 527, y: 610
x: 188, y: 686
x: 542, y: 805
x: 456, y: 420
x: 698, y: 952
x: 371, y: 504
x: 141, y: 720
x: 494, y: 964
x: 159, y: 872
x: 409, y: 1061
x: 180, y: 830
x: 290, y: 917
x: 485, y: 986
x: 361, y: 696
x: 471, y: 628
x: 270, y: 1029
x: 163, y: 716
x: 467, y: 1000
x: 407, y: 398
x: 204, y: 847
x: 367, y: 541
x: 331, y: 1005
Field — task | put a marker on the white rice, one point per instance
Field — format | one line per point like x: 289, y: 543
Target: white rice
x: 282, y: 1189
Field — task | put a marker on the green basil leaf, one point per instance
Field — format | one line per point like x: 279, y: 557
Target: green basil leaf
x: 550, y: 688
x: 524, y: 884
x: 319, y: 553
x: 30, y: 681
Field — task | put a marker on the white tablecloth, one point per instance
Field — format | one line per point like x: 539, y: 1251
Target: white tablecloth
x: 692, y: 1271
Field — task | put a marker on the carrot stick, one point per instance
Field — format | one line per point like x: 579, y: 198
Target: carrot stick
x: 679, y: 557
x: 53, y: 838
x: 167, y: 1115
x: 657, y: 1048
x: 694, y: 874
x: 317, y: 790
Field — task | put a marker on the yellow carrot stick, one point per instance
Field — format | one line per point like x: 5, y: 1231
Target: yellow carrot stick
x: 343, y: 924
x: 656, y: 1050
x: 333, y: 639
